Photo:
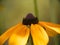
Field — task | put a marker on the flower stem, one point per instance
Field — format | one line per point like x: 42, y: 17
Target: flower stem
x: 36, y: 8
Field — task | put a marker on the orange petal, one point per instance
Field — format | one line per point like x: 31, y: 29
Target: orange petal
x: 51, y: 29
x: 39, y: 35
x: 8, y: 33
x: 20, y: 37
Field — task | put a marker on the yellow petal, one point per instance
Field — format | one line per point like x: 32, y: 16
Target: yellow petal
x: 20, y: 37
x: 39, y: 35
x: 8, y: 33
x: 51, y: 29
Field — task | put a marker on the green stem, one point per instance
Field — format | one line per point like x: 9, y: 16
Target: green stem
x: 35, y: 8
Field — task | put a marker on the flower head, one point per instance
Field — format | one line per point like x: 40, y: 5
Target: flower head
x: 19, y: 34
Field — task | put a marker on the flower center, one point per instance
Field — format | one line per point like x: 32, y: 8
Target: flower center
x: 30, y: 19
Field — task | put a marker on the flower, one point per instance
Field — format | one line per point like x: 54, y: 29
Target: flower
x: 19, y: 34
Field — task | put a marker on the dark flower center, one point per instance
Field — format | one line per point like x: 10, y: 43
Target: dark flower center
x: 30, y: 19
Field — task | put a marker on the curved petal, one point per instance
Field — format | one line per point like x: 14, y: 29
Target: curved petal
x: 20, y: 37
x: 39, y: 35
x: 51, y: 29
x: 8, y: 33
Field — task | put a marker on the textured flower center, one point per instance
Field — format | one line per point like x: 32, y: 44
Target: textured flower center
x: 30, y: 19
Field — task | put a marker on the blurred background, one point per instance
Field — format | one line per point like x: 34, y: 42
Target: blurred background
x: 13, y: 12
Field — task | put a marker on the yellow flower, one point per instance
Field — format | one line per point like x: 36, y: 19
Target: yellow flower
x: 19, y: 34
